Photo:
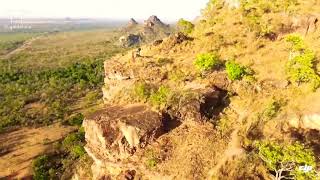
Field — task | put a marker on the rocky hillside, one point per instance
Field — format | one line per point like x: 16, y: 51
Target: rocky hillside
x: 152, y: 29
x: 237, y: 97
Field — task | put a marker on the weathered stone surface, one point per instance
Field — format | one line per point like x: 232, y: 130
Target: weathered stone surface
x: 311, y: 121
x: 116, y: 132
x: 233, y: 4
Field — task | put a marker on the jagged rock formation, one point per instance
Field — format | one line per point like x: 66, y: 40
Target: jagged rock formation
x: 152, y: 29
x: 132, y: 22
x: 153, y: 21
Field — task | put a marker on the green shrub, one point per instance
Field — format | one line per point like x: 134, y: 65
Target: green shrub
x: 161, y: 97
x: 300, y: 67
x: 76, y: 120
x: 296, y: 41
x: 235, y: 71
x: 73, y: 139
x: 207, y: 61
x: 286, y: 159
x: 185, y: 26
x: 41, y: 168
x: 77, y: 151
x: 142, y: 91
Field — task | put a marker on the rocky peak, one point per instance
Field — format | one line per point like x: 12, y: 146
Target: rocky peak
x: 153, y: 20
x: 132, y: 22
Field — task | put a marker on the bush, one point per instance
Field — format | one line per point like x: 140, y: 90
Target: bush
x: 235, y: 71
x: 285, y: 159
x: 41, y: 168
x: 77, y: 151
x: 76, y: 120
x: 161, y: 97
x: 296, y: 41
x: 300, y: 67
x: 74, y: 139
x: 207, y: 61
x: 142, y: 91
x: 185, y: 26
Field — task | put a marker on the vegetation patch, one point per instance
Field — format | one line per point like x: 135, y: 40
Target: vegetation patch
x: 61, y: 162
x: 301, y: 65
x: 272, y: 109
x: 142, y: 91
x: 76, y: 120
x: 185, y: 26
x: 206, y: 61
x: 21, y: 92
x: 236, y: 71
x: 286, y: 160
x: 161, y: 97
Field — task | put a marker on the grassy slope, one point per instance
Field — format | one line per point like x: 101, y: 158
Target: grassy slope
x: 259, y: 109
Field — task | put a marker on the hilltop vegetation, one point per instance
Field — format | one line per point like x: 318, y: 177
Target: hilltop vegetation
x: 245, y: 76
x: 237, y: 92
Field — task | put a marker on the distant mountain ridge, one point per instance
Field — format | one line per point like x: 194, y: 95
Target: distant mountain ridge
x: 152, y: 29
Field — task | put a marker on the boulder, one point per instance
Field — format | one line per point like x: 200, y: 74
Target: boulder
x: 130, y: 40
x: 116, y: 132
x: 310, y: 121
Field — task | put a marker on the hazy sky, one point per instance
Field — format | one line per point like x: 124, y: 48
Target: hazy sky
x: 119, y: 9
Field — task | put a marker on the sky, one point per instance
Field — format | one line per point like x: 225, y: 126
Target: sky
x: 117, y: 9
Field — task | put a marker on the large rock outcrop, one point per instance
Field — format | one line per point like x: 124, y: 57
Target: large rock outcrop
x: 115, y: 133
x: 130, y: 40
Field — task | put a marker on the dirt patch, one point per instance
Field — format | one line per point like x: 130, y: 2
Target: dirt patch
x: 19, y: 147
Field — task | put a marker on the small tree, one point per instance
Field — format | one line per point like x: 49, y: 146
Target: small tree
x: 285, y: 160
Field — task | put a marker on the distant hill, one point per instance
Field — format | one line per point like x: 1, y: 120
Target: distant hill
x: 152, y: 29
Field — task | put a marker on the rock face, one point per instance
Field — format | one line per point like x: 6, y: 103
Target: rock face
x: 115, y: 133
x: 311, y: 121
